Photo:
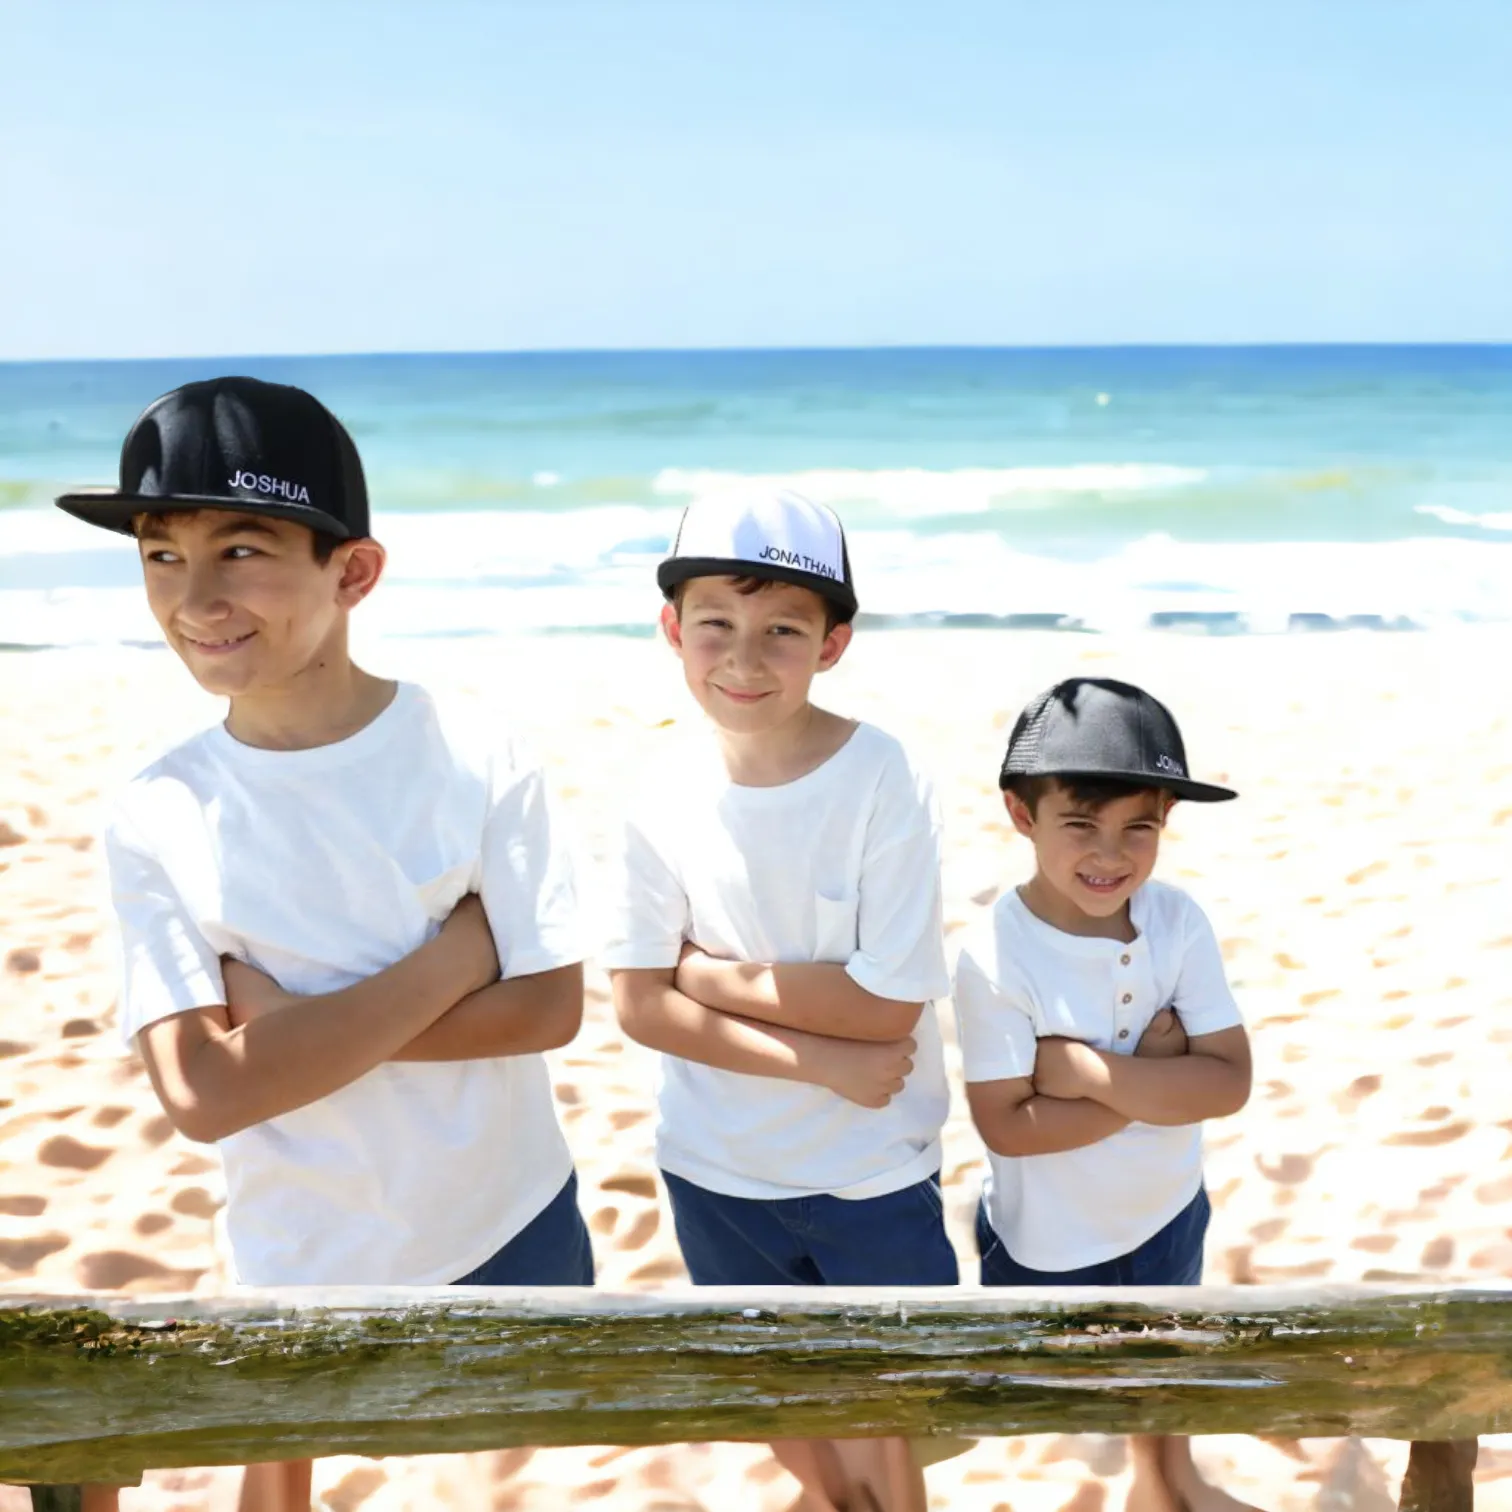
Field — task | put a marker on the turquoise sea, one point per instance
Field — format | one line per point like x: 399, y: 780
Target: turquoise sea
x: 1215, y: 489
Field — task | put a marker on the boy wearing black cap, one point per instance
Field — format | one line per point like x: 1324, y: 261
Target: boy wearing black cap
x: 779, y: 935
x: 1097, y: 1027
x: 348, y: 917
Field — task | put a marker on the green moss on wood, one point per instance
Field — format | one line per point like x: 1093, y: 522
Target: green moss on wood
x: 214, y: 1385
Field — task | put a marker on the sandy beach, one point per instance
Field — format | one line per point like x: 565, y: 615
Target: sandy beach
x: 1359, y: 890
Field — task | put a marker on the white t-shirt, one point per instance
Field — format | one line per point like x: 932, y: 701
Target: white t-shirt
x: 1019, y: 979
x: 841, y: 865
x: 321, y: 867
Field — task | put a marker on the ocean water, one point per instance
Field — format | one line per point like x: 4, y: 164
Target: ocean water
x: 1212, y: 489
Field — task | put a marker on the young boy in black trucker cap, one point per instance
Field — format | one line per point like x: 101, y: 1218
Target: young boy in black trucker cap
x: 1097, y: 1027
x: 348, y: 915
x: 779, y: 935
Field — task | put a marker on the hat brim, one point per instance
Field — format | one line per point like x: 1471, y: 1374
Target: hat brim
x: 1181, y: 787
x: 115, y: 511
x: 680, y: 569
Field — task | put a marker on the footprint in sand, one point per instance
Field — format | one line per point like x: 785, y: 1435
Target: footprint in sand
x: 195, y: 1202
x: 23, y: 1254
x: 1290, y: 1170
x: 114, y: 1270
x: 354, y: 1488
x: 23, y: 1207
x: 1437, y: 1253
x: 641, y: 1230
x: 109, y: 1117
x: 71, y: 1154
x: 152, y: 1223
x: 1420, y: 1137
x: 79, y: 1028
x: 1356, y: 1092
x: 631, y: 1183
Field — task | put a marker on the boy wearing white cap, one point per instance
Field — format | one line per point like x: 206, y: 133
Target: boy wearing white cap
x: 779, y: 931
x: 778, y: 934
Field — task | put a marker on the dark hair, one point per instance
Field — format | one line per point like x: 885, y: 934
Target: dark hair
x: 1088, y: 792
x: 833, y: 613
x: 322, y: 543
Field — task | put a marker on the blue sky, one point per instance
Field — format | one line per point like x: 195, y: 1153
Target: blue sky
x: 355, y: 175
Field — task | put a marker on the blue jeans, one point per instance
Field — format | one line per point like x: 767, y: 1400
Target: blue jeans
x: 551, y: 1250
x: 894, y: 1240
x: 1173, y: 1257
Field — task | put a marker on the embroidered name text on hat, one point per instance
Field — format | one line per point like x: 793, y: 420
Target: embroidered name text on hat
x: 238, y: 444
x: 780, y: 536
x: 1095, y: 727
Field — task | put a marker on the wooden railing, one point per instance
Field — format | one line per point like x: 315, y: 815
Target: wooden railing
x: 102, y: 1388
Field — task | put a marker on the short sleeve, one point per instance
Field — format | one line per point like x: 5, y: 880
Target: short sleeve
x: 529, y: 886
x: 995, y: 1025
x: 1203, y: 1000
x: 900, y: 927
x: 649, y: 914
x: 167, y: 965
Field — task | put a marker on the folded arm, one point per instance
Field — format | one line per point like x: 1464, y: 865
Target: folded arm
x: 655, y: 1013
x: 522, y: 1016
x: 1212, y: 1080
x: 819, y: 997
x: 1013, y: 1119
x: 217, y: 1071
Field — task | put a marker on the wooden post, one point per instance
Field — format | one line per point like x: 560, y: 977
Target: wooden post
x: 1440, y: 1476
x: 57, y: 1498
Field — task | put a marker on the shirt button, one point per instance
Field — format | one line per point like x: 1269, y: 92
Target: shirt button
x: 1128, y: 997
x: 1123, y: 1034
x: 1124, y: 960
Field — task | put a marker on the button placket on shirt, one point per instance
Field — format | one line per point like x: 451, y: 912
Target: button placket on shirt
x: 1125, y: 992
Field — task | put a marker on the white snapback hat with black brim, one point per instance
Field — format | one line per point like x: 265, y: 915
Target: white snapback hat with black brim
x: 781, y: 536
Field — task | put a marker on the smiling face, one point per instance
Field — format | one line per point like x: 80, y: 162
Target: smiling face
x: 749, y: 657
x: 1091, y: 858
x: 243, y: 599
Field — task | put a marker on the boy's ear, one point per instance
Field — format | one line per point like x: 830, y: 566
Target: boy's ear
x: 1019, y: 815
x: 362, y: 564
x: 834, y: 646
x: 671, y: 626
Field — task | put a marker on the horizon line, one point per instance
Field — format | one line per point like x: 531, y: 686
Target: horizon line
x: 1488, y: 343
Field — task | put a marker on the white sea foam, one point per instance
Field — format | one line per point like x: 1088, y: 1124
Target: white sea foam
x: 924, y: 491
x: 1451, y: 516
x: 65, y: 583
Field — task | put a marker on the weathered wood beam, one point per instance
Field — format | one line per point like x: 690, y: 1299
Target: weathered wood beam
x: 102, y: 1388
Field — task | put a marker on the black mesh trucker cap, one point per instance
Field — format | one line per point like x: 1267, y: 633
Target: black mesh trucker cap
x: 1094, y: 727
x: 780, y: 535
x: 235, y: 443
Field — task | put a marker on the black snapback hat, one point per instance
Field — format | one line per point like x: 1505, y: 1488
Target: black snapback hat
x: 235, y: 443
x: 1094, y: 727
x: 779, y: 535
